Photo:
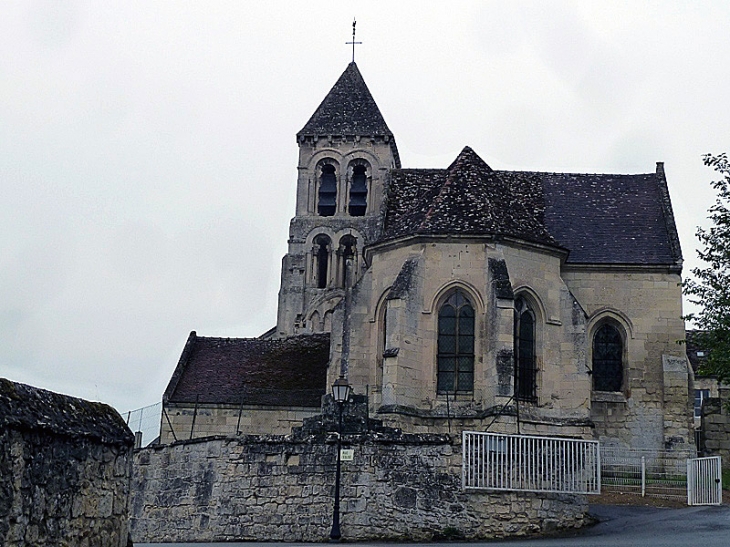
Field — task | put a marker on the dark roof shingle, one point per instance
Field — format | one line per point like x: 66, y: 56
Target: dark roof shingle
x: 609, y: 219
x: 252, y: 371
x: 348, y: 109
x: 467, y: 198
x: 599, y: 219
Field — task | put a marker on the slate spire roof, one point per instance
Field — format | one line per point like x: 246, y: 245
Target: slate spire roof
x: 348, y: 109
x: 467, y: 198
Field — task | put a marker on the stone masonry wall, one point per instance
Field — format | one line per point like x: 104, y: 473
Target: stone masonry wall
x: 715, y: 432
x: 187, y: 421
x: 275, y: 488
x: 65, y: 465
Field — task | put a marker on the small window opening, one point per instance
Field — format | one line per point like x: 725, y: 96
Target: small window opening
x: 348, y: 251
x: 358, y: 191
x: 608, y: 349
x: 327, y: 191
x: 700, y: 396
x: 322, y: 254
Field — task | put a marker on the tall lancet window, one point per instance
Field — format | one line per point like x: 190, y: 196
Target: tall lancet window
x: 456, y: 345
x: 327, y: 204
x: 321, y: 255
x: 525, y: 361
x: 358, y: 191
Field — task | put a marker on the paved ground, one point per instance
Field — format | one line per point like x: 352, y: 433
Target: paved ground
x: 619, y: 526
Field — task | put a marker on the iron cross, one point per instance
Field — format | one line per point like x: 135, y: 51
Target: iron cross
x: 354, y: 22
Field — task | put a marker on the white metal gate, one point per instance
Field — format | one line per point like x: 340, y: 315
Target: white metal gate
x: 494, y: 461
x: 704, y: 481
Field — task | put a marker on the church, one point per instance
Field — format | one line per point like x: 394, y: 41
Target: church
x: 464, y: 297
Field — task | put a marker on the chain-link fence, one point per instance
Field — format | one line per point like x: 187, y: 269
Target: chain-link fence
x: 145, y: 420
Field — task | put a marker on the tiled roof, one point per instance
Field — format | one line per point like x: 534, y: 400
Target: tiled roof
x: 251, y: 371
x: 348, y: 109
x: 599, y: 219
x: 611, y: 219
x: 467, y: 198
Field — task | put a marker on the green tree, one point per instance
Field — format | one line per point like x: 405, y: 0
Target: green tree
x: 710, y: 286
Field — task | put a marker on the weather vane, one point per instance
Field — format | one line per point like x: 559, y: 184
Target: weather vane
x: 354, y: 22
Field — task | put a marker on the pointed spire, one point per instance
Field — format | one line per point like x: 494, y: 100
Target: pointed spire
x: 348, y: 109
x: 468, y: 159
x: 467, y: 198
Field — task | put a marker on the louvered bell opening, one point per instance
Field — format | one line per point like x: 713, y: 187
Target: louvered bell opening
x: 327, y: 204
x: 358, y: 204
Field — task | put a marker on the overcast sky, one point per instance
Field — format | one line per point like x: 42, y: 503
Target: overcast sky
x: 148, y: 154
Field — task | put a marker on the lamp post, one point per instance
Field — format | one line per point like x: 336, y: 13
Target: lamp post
x: 340, y: 393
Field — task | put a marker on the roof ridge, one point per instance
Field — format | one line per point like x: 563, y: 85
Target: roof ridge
x: 575, y: 173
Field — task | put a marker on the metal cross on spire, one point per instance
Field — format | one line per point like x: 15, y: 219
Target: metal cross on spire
x: 354, y: 22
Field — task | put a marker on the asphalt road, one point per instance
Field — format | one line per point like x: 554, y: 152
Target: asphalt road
x: 618, y: 527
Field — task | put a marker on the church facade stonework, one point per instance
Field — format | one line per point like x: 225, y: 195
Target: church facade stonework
x: 464, y: 297
x: 453, y: 299
x: 569, y: 283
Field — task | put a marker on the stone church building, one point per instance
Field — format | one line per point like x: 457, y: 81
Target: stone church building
x: 457, y: 298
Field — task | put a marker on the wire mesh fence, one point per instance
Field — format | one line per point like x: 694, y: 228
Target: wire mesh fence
x: 644, y: 472
x: 145, y: 420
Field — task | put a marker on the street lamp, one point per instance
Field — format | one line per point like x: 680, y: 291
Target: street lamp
x: 340, y: 393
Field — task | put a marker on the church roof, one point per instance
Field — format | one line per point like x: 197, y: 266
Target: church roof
x: 467, y: 198
x: 251, y: 371
x: 348, y: 109
x: 599, y: 219
x: 612, y: 219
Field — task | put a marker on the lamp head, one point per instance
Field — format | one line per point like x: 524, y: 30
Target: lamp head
x: 341, y: 390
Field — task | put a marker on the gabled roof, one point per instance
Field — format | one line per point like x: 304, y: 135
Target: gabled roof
x: 612, y: 219
x: 348, y: 109
x: 251, y: 371
x: 467, y: 198
x: 599, y: 219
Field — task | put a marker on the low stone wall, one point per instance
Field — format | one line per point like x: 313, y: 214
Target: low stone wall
x: 276, y: 488
x: 65, y: 465
x: 194, y: 421
x: 715, y: 431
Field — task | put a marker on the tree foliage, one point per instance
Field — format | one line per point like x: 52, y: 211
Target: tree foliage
x: 710, y: 286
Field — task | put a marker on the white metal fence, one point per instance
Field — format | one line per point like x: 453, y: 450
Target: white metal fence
x: 494, y: 461
x: 704, y: 481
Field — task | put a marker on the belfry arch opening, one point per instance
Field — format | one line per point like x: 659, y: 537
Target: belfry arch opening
x: 358, y: 191
x: 321, y: 252
x: 327, y: 202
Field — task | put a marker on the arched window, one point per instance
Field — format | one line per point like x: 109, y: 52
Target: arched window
x: 358, y: 191
x: 608, y: 352
x: 327, y: 191
x: 456, y: 345
x: 321, y: 253
x: 524, y: 350
x: 347, y: 253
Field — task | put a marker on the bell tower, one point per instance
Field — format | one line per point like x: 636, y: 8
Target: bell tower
x: 345, y: 153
